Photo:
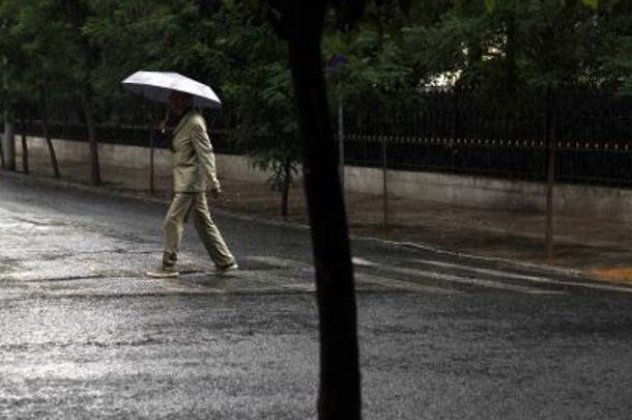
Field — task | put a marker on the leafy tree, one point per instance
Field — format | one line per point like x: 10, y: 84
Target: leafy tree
x: 214, y: 43
x: 260, y: 94
x: 511, y: 45
x: 368, y: 59
x: 82, y: 64
x: 615, y: 17
x: 36, y: 46
x: 272, y: 129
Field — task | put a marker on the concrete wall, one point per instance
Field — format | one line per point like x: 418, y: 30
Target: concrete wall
x: 229, y: 166
x: 600, y: 202
x: 492, y: 193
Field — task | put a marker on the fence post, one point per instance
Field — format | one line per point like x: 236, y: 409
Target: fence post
x: 550, y: 142
x: 25, y: 149
x: 2, y: 165
x: 453, y: 129
x: 385, y: 182
x: 8, y: 146
x: 9, y: 143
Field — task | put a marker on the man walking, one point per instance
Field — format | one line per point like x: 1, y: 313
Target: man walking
x: 193, y: 173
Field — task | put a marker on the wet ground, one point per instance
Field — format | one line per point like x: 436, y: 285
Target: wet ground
x: 84, y: 334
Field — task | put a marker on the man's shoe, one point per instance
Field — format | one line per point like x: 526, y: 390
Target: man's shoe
x: 222, y: 269
x: 164, y: 272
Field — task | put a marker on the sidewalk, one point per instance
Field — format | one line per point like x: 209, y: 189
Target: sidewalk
x: 597, y: 248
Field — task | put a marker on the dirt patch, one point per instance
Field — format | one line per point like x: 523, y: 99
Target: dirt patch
x: 621, y: 275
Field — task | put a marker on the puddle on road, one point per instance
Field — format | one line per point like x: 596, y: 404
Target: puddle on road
x: 8, y: 267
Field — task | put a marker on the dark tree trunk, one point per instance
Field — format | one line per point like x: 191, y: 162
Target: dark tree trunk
x: 550, y: 141
x: 49, y: 141
x: 8, y: 156
x: 78, y: 12
x: 339, y: 393
x: 510, y: 58
x: 95, y: 171
x: 2, y: 165
x: 285, y: 188
x: 25, y: 148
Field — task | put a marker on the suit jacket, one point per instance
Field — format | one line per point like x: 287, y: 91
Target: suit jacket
x: 193, y: 157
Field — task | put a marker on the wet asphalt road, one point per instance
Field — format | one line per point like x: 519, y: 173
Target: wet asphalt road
x: 84, y: 334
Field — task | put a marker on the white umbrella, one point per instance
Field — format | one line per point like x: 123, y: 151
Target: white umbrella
x: 157, y: 85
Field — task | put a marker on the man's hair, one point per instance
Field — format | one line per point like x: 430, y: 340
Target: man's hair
x: 184, y: 96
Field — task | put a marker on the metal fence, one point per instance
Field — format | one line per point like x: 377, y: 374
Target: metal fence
x: 462, y: 132
x: 471, y: 133
x: 126, y: 122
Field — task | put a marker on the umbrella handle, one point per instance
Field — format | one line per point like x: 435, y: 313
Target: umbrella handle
x: 162, y: 125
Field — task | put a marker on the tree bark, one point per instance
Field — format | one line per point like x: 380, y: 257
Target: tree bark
x: 95, y: 171
x: 25, y: 148
x: 2, y: 155
x: 510, y: 79
x: 339, y: 392
x: 49, y: 141
x: 550, y: 144
x: 285, y: 188
x: 8, y: 145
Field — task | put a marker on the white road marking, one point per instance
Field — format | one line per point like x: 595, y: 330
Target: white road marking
x: 361, y: 262
x: 360, y: 277
x: 534, y: 279
x: 472, y: 281
x: 278, y: 262
x: 409, y: 285
x: 300, y: 287
x: 400, y: 284
x: 461, y: 279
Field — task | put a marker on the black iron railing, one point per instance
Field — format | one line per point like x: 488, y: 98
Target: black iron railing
x: 467, y: 133
x: 463, y: 132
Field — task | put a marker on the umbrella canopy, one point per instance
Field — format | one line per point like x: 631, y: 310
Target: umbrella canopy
x: 157, y: 85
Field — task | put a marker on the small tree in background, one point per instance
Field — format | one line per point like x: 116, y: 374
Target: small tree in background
x: 38, y: 45
x: 267, y: 127
x: 261, y: 96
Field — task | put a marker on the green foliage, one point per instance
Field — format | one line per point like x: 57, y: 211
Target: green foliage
x: 513, y: 45
x: 500, y: 45
x: 490, y: 5
x: 260, y: 91
x: 39, y: 51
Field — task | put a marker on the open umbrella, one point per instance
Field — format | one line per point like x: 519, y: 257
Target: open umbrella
x: 157, y: 85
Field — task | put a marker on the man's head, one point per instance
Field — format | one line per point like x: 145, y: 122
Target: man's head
x: 179, y: 102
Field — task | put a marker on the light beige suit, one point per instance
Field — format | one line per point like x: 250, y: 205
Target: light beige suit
x: 193, y: 173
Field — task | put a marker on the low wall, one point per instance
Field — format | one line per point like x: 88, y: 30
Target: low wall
x: 599, y: 202
x: 492, y: 193
x: 136, y: 157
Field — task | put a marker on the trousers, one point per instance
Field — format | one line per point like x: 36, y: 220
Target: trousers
x: 182, y: 205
